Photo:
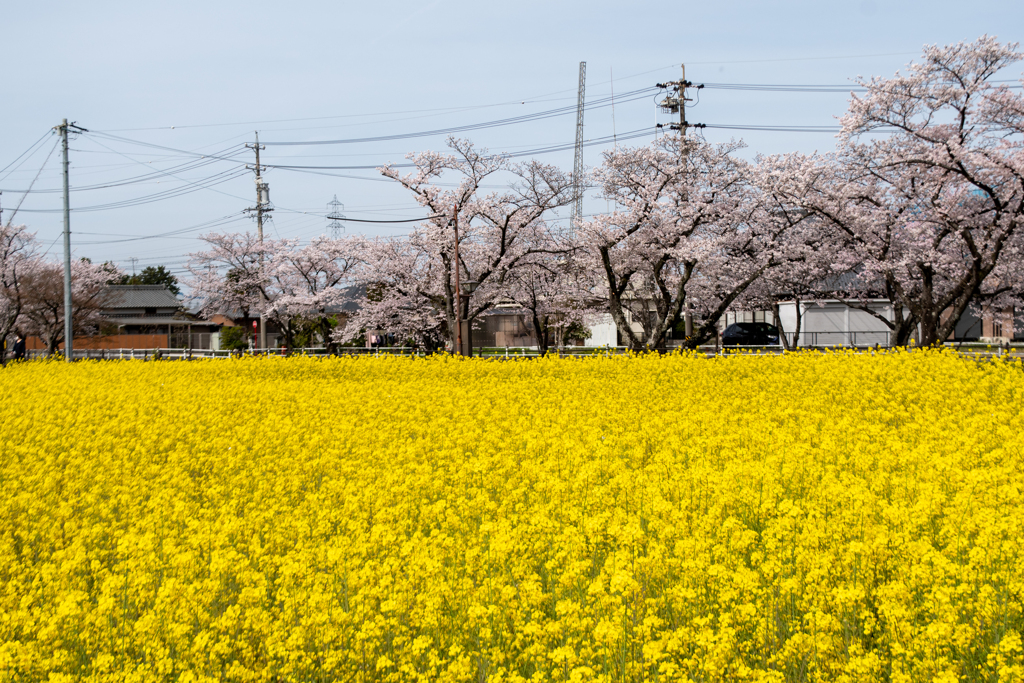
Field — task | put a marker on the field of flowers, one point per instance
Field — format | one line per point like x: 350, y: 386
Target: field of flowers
x: 779, y: 518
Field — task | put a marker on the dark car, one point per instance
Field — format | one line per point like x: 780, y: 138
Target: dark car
x: 750, y: 334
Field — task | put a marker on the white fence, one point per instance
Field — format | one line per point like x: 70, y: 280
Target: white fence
x: 967, y: 348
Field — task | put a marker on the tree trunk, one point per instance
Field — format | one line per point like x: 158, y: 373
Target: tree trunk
x: 778, y: 324
x: 782, y: 332
x: 629, y: 338
x: 539, y: 333
x: 799, y: 322
x: 929, y: 329
x: 325, y: 331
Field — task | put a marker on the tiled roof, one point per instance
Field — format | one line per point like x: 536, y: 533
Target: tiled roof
x: 139, y: 296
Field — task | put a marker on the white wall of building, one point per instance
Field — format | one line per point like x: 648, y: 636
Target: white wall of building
x: 833, y: 323
x: 602, y: 331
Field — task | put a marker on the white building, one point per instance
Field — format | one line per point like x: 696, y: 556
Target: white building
x: 603, y: 331
x: 833, y: 323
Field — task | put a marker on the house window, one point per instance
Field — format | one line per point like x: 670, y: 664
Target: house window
x: 997, y: 327
x: 150, y: 311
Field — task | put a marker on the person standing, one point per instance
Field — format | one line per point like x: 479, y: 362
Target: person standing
x: 19, y: 347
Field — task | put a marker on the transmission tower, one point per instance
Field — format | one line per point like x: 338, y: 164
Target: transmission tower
x: 335, y: 216
x: 577, y: 166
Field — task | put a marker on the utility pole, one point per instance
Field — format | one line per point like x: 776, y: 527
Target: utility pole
x: 262, y: 206
x: 458, y: 287
x: 577, y: 166
x: 68, y: 336
x: 68, y: 326
x: 676, y: 103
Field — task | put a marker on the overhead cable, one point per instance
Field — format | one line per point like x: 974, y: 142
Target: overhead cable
x: 32, y: 148
x: 21, y: 201
x: 537, y: 116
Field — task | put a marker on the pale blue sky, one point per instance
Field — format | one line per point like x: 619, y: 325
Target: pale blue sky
x: 217, y: 71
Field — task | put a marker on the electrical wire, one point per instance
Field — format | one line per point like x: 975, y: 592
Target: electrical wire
x: 191, y: 165
x: 794, y: 129
x: 163, y: 147
x: 215, y: 223
x: 10, y: 219
x: 537, y: 116
x: 641, y: 132
x: 189, y: 188
x: 28, y: 152
x: 522, y: 100
x: 808, y: 88
x: 404, y: 220
x: 535, y: 98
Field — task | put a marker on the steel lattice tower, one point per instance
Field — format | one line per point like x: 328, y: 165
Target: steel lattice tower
x: 577, y: 166
x: 335, y: 216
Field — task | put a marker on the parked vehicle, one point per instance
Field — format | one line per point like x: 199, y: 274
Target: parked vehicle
x: 750, y: 334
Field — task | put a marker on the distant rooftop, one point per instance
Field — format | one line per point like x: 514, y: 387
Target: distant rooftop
x: 139, y: 296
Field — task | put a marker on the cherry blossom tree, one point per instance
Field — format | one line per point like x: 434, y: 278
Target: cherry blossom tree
x: 554, y: 294
x: 927, y: 215
x: 228, y: 275
x: 17, y: 262
x: 312, y: 283
x: 43, y: 303
x: 398, y: 279
x: 688, y: 229
x: 812, y: 248
x: 413, y: 278
x: 281, y: 279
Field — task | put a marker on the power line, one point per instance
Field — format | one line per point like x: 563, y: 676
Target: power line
x: 26, y: 192
x: 810, y: 88
x: 519, y: 101
x: 640, y: 132
x: 26, y: 154
x: 188, y: 188
x: 780, y: 129
x: 134, y: 180
x: 641, y: 93
x: 215, y: 223
x: 810, y: 59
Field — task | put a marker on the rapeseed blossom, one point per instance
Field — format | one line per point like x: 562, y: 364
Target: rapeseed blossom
x: 835, y: 516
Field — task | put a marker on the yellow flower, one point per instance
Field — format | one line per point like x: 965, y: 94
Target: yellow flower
x: 819, y: 516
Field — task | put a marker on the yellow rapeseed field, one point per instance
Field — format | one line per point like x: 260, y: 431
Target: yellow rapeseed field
x: 814, y: 516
